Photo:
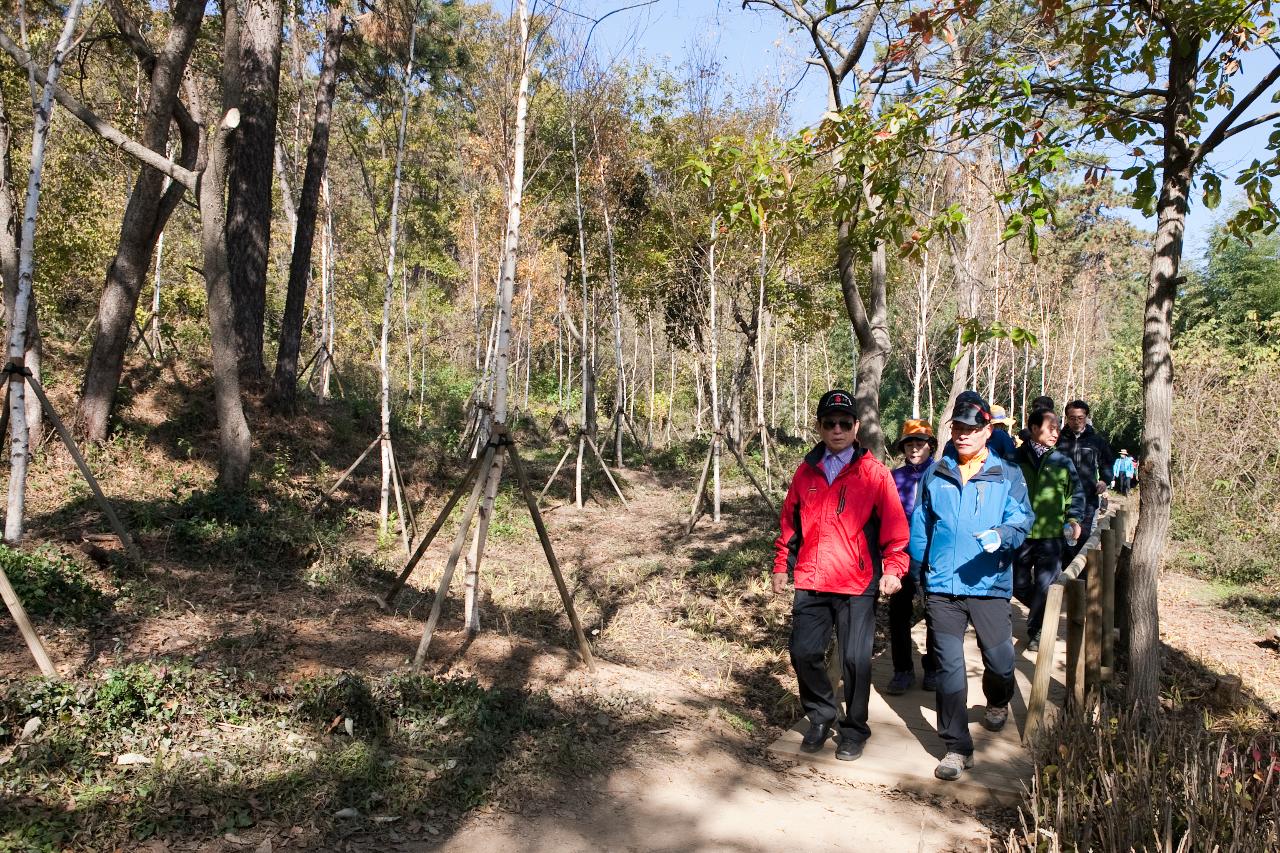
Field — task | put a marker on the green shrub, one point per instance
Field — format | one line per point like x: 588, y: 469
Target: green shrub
x: 1127, y: 782
x: 50, y: 585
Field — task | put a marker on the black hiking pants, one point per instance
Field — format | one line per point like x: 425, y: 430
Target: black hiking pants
x: 1037, y: 564
x: 901, y: 608
x: 813, y: 614
x: 949, y: 617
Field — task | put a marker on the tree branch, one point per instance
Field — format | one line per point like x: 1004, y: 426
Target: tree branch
x: 1224, y: 129
x: 104, y: 129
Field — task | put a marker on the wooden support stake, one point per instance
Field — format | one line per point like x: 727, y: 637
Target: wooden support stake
x: 395, y: 488
x: 1044, y: 663
x: 19, y: 614
x: 385, y: 601
x: 1093, y: 626
x: 556, y: 472
x: 742, y: 463
x: 302, y: 374
x: 701, y: 489
x: 639, y: 444
x: 584, y: 648
x: 108, y: 510
x: 404, y: 493
x: 605, y: 467
x: 455, y: 553
x: 347, y: 473
x: 1110, y: 558
x: 1075, y: 594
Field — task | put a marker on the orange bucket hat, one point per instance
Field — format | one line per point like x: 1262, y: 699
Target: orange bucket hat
x: 914, y: 428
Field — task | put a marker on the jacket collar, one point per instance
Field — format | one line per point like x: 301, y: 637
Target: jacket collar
x: 814, y: 457
x: 949, y: 466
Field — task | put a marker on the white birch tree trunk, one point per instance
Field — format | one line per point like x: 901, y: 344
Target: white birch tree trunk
x: 713, y: 370
x: 384, y: 366
x: 19, y: 435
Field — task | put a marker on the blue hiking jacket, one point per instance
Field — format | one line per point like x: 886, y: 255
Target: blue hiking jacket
x: 948, y: 516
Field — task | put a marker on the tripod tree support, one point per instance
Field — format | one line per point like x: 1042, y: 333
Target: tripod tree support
x: 347, y: 473
x: 583, y: 439
x: 130, y: 549
x: 28, y: 631
x: 696, y: 510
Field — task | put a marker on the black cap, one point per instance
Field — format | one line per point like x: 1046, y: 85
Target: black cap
x: 971, y: 409
x: 837, y: 400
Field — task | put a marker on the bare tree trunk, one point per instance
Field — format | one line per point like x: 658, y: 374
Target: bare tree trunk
x: 250, y: 172
x: 619, y: 384
x: 871, y: 323
x: 510, y: 254
x: 146, y: 212
x: 286, y: 376
x: 393, y: 234
x: 1156, y: 496
x: 713, y: 358
x: 23, y: 299
x: 235, y: 441
x: 9, y: 235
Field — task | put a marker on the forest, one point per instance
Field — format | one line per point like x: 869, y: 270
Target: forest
x: 583, y: 303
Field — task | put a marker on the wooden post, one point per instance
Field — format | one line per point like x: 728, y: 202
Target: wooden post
x: 742, y: 463
x: 700, y: 490
x: 584, y: 648
x: 556, y: 472
x: 454, y: 554
x: 1093, y: 625
x: 605, y: 467
x: 117, y: 527
x: 385, y: 601
x: 1043, y: 674
x: 19, y: 614
x: 404, y: 493
x: 1075, y: 593
x: 1110, y: 557
x: 347, y: 473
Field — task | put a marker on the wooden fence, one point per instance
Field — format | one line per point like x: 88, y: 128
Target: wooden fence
x: 1091, y: 618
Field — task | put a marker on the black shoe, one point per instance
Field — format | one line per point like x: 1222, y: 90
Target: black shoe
x: 849, y: 749
x: 815, y: 737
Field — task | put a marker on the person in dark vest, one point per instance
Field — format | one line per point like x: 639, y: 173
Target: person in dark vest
x: 843, y: 538
x: 970, y: 518
x: 915, y: 446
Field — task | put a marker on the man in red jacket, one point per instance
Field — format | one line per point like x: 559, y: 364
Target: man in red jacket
x: 843, y: 538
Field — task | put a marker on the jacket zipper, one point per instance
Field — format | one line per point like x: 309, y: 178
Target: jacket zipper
x: 840, y: 505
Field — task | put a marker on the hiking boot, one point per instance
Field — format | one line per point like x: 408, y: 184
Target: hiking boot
x: 849, y: 749
x: 995, y: 718
x: 901, y: 682
x: 930, y: 682
x: 952, y: 766
x: 815, y: 737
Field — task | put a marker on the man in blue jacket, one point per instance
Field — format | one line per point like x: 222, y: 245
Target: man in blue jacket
x: 971, y: 516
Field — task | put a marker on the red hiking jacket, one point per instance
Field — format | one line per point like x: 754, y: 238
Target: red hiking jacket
x: 841, y: 537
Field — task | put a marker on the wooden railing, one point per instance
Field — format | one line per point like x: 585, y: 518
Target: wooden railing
x: 1091, y: 619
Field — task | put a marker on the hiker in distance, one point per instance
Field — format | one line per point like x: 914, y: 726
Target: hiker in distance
x: 1057, y: 499
x: 970, y: 518
x: 843, y: 538
x: 916, y: 446
x: 1091, y: 453
x: 1122, y: 472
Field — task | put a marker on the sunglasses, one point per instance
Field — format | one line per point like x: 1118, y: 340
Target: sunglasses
x: 830, y: 423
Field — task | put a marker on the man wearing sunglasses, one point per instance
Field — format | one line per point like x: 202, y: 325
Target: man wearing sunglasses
x: 843, y: 538
x: 971, y: 516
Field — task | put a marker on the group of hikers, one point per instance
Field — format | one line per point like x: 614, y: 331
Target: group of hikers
x: 994, y: 516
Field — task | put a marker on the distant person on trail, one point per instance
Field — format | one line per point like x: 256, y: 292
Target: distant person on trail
x: 1001, y: 443
x: 1057, y: 499
x: 843, y: 536
x: 1093, y: 458
x: 1041, y: 402
x: 916, y: 446
x: 970, y: 518
x: 1122, y: 472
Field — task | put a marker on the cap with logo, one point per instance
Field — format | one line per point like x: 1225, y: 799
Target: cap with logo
x: 971, y: 409
x: 836, y: 400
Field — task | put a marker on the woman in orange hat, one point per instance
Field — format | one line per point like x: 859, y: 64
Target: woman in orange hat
x: 916, y: 447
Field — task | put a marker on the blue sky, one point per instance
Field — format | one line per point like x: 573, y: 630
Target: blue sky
x: 754, y: 45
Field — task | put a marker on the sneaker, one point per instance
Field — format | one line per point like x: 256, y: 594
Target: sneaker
x: 995, y: 718
x: 930, y: 682
x: 952, y: 765
x: 901, y: 682
x: 849, y: 749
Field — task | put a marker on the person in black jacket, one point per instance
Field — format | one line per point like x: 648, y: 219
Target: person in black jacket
x: 1039, y: 404
x: 1093, y: 458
